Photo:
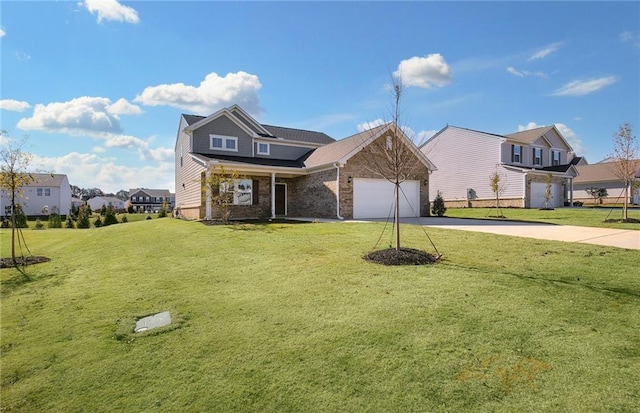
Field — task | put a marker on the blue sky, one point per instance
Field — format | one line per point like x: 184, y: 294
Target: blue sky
x: 99, y: 85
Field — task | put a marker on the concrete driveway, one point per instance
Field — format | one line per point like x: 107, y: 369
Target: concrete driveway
x: 620, y: 238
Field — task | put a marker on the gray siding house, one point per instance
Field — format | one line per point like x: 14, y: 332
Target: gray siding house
x: 466, y: 159
x: 285, y: 172
x: 48, y: 193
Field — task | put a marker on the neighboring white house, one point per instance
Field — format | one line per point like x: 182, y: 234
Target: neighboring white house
x: 603, y: 175
x: 48, y: 193
x: 465, y: 160
x: 98, y: 201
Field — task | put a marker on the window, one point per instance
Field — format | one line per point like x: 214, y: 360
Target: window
x: 516, y: 153
x: 263, y: 148
x: 224, y: 143
x: 43, y: 191
x: 39, y: 191
x: 389, y: 143
x: 181, y: 153
x: 555, y: 158
x: 537, y: 156
x: 47, y: 192
x: 241, y: 189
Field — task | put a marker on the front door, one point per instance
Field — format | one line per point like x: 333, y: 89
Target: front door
x: 281, y: 199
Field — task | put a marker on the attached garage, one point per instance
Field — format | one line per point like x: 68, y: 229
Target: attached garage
x: 374, y: 198
x: 538, y: 190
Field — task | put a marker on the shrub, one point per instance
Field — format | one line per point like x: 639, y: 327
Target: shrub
x: 98, y: 222
x: 148, y: 216
x: 39, y: 224
x: 21, y: 218
x: 69, y: 222
x: 124, y: 219
x: 578, y: 203
x: 55, y: 221
x: 109, y: 216
x: 438, y: 207
x: 163, y: 211
x: 84, y: 213
x: 130, y: 209
x: 103, y: 210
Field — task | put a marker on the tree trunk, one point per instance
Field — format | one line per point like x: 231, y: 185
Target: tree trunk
x: 626, y: 201
x: 397, y: 217
x: 13, y: 228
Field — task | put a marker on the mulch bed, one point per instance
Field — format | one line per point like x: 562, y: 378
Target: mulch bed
x: 21, y: 261
x: 628, y: 220
x: 404, y: 256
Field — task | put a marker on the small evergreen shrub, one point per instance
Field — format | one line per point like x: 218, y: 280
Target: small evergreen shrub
x: 109, y: 216
x: 55, y: 221
x: 84, y: 213
x: 148, y: 216
x: 39, y: 224
x: 21, y: 218
x: 103, y: 210
x: 124, y: 219
x: 438, y: 208
x: 69, y: 222
x: 98, y: 222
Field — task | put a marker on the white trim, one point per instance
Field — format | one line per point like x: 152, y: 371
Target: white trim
x: 337, y: 165
x: 268, y: 151
x: 273, y: 194
x: 225, y: 140
x: 288, y: 142
x: 222, y: 112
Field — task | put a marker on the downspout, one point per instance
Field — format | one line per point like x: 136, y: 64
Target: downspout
x: 337, y: 165
x: 524, y: 197
x: 207, y: 214
x: 571, y: 192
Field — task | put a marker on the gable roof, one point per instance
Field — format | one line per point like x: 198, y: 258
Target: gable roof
x: 441, y: 131
x: 255, y: 129
x: 599, y: 172
x: 341, y: 151
x: 49, y: 180
x: 151, y: 192
x: 531, y: 135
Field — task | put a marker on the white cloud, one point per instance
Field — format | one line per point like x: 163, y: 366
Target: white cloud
x: 83, y: 115
x: 584, y: 87
x: 424, y: 72
x: 524, y: 73
x: 14, y: 105
x: 110, y: 10
x: 630, y: 37
x: 213, y: 93
x: 569, y: 135
x: 545, y: 51
x: 2, y: 33
x: 122, y: 107
x: 88, y: 170
x: 370, y: 125
x: 22, y: 56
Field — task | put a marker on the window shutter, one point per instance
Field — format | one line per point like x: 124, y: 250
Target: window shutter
x: 513, y: 149
x: 254, y: 191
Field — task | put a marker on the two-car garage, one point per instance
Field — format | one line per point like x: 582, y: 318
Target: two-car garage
x: 374, y: 198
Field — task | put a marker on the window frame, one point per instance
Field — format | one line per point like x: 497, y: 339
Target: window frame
x: 514, y: 154
x: 554, y: 161
x: 239, y: 195
x: 537, y: 156
x: 224, y: 140
x: 267, y: 152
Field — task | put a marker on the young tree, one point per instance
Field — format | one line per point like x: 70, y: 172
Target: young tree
x: 626, y: 164
x: 13, y: 177
x: 219, y: 188
x: 548, y: 179
x: 393, y: 157
x: 597, y: 194
x: 498, y: 186
x: 84, y: 215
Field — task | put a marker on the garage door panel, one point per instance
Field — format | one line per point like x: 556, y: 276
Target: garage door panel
x: 374, y: 198
x: 538, y: 190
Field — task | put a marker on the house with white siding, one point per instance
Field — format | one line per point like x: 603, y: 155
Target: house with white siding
x: 466, y: 159
x: 96, y: 203
x: 48, y: 193
x: 286, y: 172
x: 603, y: 175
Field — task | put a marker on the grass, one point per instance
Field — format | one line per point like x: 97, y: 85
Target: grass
x: 289, y: 317
x: 588, y: 217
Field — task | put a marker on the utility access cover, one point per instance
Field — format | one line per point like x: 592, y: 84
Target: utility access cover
x: 153, y: 321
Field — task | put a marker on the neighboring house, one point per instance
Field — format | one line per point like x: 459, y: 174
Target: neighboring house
x: 48, y: 193
x: 97, y: 202
x: 467, y: 158
x: 286, y: 172
x: 76, y: 202
x: 602, y: 175
x: 150, y: 200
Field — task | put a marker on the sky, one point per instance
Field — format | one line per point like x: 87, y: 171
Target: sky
x: 98, y: 86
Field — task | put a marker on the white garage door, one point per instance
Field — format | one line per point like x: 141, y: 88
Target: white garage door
x: 538, y: 190
x: 374, y: 198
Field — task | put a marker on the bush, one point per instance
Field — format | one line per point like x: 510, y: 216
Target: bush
x: 69, y: 222
x: 39, y: 224
x: 438, y: 208
x: 21, y: 218
x: 578, y: 203
x: 109, y: 216
x: 124, y: 219
x: 84, y: 213
x: 148, y: 216
x: 130, y: 209
x: 55, y: 221
x: 98, y: 222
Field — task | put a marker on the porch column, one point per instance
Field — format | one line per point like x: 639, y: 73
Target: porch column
x: 273, y: 194
x: 207, y: 206
x: 571, y: 192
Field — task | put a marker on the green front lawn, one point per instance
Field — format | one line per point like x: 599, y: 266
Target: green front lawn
x: 583, y: 216
x: 288, y: 317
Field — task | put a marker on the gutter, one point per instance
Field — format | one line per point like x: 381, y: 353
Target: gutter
x: 337, y: 165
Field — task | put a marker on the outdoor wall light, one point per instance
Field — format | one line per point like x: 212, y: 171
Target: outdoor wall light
x: 349, y: 179
x: 426, y: 182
